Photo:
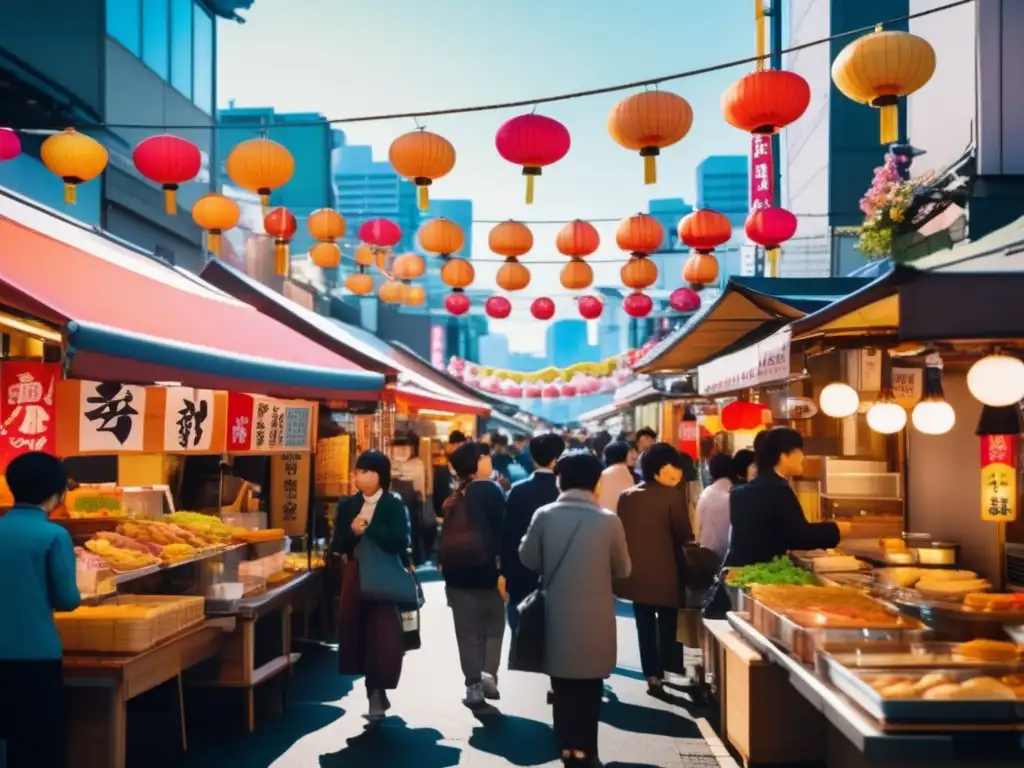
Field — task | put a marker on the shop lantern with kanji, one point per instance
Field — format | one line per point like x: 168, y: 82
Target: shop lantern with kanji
x: 999, y: 492
x: 532, y: 141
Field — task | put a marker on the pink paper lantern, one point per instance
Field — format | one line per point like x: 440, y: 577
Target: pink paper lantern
x: 380, y: 233
x: 515, y: 390
x: 638, y: 305
x: 498, y: 307
x: 569, y: 390
x: 10, y: 144
x: 684, y: 300
x: 590, y: 307
x: 550, y: 391
x: 456, y: 303
x: 542, y: 308
x: 532, y: 391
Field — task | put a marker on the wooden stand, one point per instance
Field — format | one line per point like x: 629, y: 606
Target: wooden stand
x: 242, y: 665
x: 100, y: 686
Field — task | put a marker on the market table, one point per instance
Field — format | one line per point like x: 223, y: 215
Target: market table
x: 100, y: 686
x: 259, y: 646
x: 852, y: 739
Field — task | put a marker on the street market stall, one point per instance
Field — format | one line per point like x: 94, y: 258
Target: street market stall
x: 131, y: 397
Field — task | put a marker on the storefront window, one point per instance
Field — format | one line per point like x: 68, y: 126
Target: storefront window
x: 202, y: 60
x: 181, y: 46
x: 124, y: 23
x: 156, y: 36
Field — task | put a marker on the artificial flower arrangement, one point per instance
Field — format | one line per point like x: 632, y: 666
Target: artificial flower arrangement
x: 885, y: 206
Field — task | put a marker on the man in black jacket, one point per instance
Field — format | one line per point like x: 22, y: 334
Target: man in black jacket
x: 525, y: 498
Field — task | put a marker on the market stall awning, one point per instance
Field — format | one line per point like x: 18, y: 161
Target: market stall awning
x: 127, y: 317
x: 738, y: 312
x: 412, y: 389
x: 498, y: 420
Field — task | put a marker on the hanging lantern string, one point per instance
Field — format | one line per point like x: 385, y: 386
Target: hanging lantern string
x: 571, y: 95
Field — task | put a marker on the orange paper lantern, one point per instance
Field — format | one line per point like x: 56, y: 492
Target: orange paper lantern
x: 326, y: 224
x: 75, y: 158
x: 513, y: 276
x: 364, y: 256
x: 510, y: 239
x: 260, y: 166
x: 647, y: 123
x: 216, y: 214
x: 765, y: 101
x: 359, y: 283
x: 457, y: 273
x: 392, y: 292
x: 441, y: 236
x: 422, y: 157
x: 704, y: 230
x: 577, y: 239
x: 639, y: 234
x: 325, y: 255
x: 409, y: 266
x: 577, y: 275
x: 639, y: 273
x: 415, y: 296
x: 700, y: 269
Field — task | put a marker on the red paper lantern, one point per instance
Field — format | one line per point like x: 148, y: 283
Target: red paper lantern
x: 569, y: 390
x: 684, y: 300
x: 590, y: 307
x: 542, y: 308
x: 770, y: 227
x: 456, y: 303
x: 498, y: 307
x: 10, y: 144
x: 281, y: 225
x: 380, y: 233
x: 638, y: 305
x: 532, y: 141
x: 704, y: 230
x: 550, y: 391
x: 532, y: 391
x: 743, y: 414
x: 169, y: 161
x: 763, y: 102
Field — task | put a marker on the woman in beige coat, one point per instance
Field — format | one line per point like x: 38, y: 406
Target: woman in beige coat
x: 656, y: 518
x: 579, y: 549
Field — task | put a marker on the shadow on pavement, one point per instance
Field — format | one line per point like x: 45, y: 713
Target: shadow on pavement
x: 518, y: 740
x: 636, y: 719
x: 392, y: 742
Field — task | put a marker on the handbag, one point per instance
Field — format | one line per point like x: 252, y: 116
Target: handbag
x: 527, y: 653
x: 701, y: 566
x: 383, y: 577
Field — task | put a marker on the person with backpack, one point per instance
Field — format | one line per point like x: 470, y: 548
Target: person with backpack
x: 470, y: 538
x: 579, y: 549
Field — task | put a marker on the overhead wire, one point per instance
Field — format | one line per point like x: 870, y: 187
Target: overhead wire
x: 532, y: 102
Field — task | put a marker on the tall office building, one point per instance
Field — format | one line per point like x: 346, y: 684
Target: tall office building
x: 829, y: 155
x: 672, y: 253
x: 308, y: 136
x: 493, y: 351
x: 723, y: 185
x: 568, y: 343
x: 121, y: 62
x: 369, y: 189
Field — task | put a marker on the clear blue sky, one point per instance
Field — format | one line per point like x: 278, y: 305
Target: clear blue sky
x: 348, y: 58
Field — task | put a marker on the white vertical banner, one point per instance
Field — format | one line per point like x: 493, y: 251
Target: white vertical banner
x: 111, y: 417
x: 188, y: 420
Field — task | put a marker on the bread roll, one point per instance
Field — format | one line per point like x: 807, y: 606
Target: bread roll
x: 931, y: 680
x: 884, y: 681
x: 988, y: 650
x: 905, y: 690
x: 944, y: 692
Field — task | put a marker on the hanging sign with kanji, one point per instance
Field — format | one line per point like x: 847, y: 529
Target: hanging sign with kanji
x: 111, y: 417
x: 289, y: 492
x: 762, y: 180
x: 28, y: 410
x: 999, y: 456
x: 258, y: 424
x: 188, y: 420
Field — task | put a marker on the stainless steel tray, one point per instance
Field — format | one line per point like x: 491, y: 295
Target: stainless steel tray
x: 913, y: 656
x: 803, y: 642
x: 855, y: 685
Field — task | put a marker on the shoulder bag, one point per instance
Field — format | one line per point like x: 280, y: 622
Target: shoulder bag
x: 464, y: 543
x: 527, y: 653
x: 384, y: 577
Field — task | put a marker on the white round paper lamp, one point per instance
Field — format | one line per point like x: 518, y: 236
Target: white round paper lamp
x: 933, y: 417
x: 839, y: 400
x: 887, y: 416
x: 997, y: 380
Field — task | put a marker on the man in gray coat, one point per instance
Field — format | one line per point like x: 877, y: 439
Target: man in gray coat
x: 579, y: 549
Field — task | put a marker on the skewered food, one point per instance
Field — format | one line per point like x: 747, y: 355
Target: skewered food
x: 176, y: 553
x: 121, y: 560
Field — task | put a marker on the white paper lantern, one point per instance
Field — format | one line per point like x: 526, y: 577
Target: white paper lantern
x: 933, y: 417
x: 997, y: 380
x: 887, y: 416
x: 839, y: 400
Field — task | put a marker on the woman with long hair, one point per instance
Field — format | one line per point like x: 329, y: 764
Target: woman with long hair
x: 371, y: 639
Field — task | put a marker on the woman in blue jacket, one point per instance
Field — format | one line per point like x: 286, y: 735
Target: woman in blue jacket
x: 37, y: 577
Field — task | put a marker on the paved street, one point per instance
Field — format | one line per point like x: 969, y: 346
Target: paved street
x: 430, y: 728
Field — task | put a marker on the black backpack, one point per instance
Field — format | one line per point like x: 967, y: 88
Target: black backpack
x: 464, y: 543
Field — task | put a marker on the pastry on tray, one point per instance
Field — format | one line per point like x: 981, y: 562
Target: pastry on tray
x: 989, y: 650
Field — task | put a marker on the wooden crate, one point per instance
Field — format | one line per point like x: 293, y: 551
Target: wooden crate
x: 96, y: 631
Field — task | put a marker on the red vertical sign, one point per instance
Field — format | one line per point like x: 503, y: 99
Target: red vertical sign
x: 240, y: 421
x: 762, y: 176
x: 438, y: 346
x: 28, y: 409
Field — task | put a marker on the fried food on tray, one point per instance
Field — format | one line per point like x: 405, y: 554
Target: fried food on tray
x: 830, y: 607
x: 989, y: 650
x: 992, y: 601
x: 121, y: 560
